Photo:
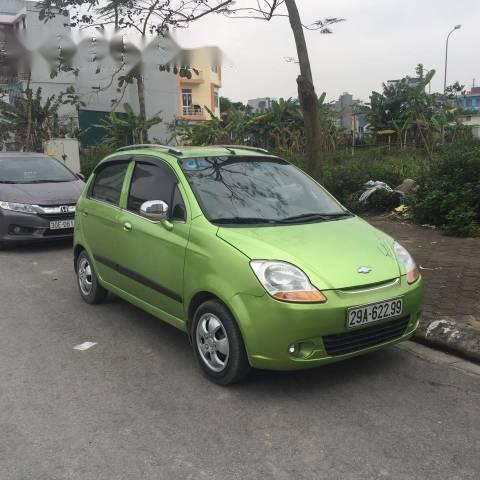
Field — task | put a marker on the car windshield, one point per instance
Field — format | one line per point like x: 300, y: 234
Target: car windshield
x: 258, y: 190
x: 34, y: 169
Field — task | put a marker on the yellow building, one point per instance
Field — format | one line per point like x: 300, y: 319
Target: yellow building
x: 201, y: 90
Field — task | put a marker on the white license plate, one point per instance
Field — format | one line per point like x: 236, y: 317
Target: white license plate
x: 62, y: 224
x: 374, y: 312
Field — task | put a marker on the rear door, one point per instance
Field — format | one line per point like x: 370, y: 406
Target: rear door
x: 100, y: 211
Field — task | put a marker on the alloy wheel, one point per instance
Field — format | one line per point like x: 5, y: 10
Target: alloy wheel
x: 212, y: 342
x: 85, y: 276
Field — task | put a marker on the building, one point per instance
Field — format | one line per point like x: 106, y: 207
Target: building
x: 260, y: 105
x: 23, y: 34
x: 408, y: 81
x: 349, y: 116
x: 169, y: 94
x: 473, y: 121
x: 198, y: 84
x: 471, y: 100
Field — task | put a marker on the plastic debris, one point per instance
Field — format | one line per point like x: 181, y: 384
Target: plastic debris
x: 372, y: 186
x: 401, y: 209
x: 84, y: 346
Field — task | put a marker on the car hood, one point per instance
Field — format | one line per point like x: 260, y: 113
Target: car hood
x: 330, y: 252
x: 42, y: 193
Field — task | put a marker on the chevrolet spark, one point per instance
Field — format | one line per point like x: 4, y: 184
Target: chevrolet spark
x: 248, y: 255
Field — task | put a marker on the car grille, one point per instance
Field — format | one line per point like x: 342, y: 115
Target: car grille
x: 348, y: 342
x: 57, y: 216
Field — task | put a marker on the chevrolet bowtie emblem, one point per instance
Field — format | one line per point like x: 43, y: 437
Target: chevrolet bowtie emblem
x: 364, y: 270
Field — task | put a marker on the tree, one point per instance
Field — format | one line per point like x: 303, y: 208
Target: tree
x: 306, y: 94
x: 407, y: 109
x: 280, y: 129
x: 31, y: 121
x: 268, y: 9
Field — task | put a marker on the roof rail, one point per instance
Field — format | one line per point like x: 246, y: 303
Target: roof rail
x: 151, y: 145
x: 243, y: 147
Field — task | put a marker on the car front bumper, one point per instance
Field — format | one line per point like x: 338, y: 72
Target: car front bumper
x: 270, y: 327
x: 18, y: 227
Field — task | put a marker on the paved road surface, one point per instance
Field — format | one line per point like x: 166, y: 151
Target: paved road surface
x: 135, y: 406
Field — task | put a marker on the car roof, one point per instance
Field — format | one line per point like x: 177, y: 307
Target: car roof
x: 180, y: 153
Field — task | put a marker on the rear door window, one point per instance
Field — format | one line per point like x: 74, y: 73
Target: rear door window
x: 108, y: 182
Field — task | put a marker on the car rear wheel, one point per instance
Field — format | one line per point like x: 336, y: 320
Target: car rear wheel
x: 218, y: 344
x: 90, y: 290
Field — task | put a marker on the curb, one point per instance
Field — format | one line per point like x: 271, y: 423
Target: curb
x: 448, y: 335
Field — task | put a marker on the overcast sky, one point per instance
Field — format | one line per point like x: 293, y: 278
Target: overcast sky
x: 380, y: 40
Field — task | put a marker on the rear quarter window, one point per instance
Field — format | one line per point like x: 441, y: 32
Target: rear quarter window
x: 108, y: 181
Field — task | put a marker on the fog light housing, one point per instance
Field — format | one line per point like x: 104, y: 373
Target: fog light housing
x: 19, y: 230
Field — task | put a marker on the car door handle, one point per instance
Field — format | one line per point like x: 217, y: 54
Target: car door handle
x: 127, y: 226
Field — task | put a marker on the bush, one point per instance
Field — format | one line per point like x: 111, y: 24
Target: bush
x: 91, y: 156
x: 344, y: 176
x: 448, y: 194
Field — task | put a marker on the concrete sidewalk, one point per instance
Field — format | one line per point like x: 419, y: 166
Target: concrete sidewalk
x: 451, y: 271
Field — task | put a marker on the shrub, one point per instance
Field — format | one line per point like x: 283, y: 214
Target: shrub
x: 449, y: 191
x: 89, y: 158
x: 345, y: 176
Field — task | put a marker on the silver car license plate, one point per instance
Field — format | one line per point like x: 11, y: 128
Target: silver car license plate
x: 62, y: 224
x: 374, y: 312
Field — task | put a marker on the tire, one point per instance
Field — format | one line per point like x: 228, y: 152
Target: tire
x: 218, y: 344
x: 90, y: 290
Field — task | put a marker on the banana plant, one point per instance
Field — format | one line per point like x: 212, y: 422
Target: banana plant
x: 121, y: 130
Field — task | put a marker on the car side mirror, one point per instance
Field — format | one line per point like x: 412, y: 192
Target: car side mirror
x: 156, y: 210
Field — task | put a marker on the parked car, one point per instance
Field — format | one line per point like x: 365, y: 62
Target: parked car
x: 37, y: 198
x: 247, y: 254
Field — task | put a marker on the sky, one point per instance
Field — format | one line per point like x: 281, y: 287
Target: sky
x: 380, y: 40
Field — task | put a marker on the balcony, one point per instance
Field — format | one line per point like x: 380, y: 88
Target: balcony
x: 194, y: 80
x: 192, y: 112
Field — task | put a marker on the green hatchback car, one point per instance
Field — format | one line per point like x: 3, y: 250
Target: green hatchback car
x: 247, y: 254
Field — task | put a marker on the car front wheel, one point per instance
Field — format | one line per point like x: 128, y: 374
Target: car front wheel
x: 90, y: 290
x: 218, y: 344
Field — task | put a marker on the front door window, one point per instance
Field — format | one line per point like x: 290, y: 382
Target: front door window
x: 155, y: 182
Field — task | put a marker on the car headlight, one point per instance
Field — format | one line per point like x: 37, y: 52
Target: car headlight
x: 406, y: 260
x: 286, y: 282
x: 18, y: 207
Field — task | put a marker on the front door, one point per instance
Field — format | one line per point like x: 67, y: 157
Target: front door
x: 153, y: 253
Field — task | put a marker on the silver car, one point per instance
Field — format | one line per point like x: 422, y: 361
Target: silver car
x: 37, y: 198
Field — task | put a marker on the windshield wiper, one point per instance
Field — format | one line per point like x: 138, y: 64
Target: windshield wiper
x: 243, y: 220
x: 337, y: 215
x: 47, y: 181
x: 312, y: 217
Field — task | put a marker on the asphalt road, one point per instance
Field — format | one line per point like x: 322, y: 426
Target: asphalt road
x: 135, y: 405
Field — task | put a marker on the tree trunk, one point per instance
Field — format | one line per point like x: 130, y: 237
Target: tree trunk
x: 28, y: 133
x: 307, y: 96
x: 141, y: 104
